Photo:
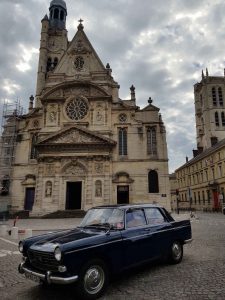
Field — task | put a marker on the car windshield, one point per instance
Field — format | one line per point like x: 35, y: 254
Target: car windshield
x: 104, y: 217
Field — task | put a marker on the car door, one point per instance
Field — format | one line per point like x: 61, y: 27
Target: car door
x: 160, y: 231
x: 136, y: 244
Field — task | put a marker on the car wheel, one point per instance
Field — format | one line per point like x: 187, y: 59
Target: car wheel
x: 176, y: 253
x: 93, y: 280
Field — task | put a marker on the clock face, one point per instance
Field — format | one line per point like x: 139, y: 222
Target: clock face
x: 54, y: 44
x: 77, y: 109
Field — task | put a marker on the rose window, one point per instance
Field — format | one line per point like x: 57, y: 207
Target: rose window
x: 77, y: 109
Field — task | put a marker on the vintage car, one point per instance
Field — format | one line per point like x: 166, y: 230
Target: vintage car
x: 110, y: 239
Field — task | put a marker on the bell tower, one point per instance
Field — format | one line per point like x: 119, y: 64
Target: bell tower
x: 53, y: 44
x: 57, y: 14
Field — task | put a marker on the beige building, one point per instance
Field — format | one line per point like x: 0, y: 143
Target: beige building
x: 201, y: 180
x: 80, y: 145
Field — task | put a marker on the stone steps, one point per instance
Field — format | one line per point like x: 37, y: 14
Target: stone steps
x: 60, y: 214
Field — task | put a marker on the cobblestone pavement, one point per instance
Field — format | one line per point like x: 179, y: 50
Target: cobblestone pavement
x: 200, y: 276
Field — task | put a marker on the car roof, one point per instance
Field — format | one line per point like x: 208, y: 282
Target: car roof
x: 127, y: 206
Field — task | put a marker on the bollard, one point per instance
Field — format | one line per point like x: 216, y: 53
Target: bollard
x: 14, y: 233
x: 28, y: 233
x: 3, y: 230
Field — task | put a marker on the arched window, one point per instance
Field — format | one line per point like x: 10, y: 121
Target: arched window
x: 223, y: 118
x: 214, y: 96
x: 220, y: 93
x: 33, y: 152
x: 51, y: 14
x: 151, y: 141
x: 56, y: 13
x: 217, y: 119
x: 55, y: 62
x: 153, y: 182
x: 61, y: 15
x: 122, y: 141
x: 49, y: 64
x: 98, y: 188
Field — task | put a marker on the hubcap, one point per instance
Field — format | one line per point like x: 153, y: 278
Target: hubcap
x: 176, y: 250
x: 94, y: 279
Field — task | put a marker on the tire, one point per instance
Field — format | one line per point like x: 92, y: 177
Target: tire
x: 93, y: 280
x: 176, y: 253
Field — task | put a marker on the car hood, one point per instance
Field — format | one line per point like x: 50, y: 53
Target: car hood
x: 49, y: 242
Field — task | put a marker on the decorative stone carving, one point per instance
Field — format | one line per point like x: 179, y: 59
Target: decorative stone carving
x: 79, y: 48
x: 75, y: 170
x: 98, y: 188
x: 80, y: 90
x: 97, y: 92
x: 52, y: 114
x: 75, y: 137
x: 49, y: 169
x: 99, y: 168
x: 57, y: 93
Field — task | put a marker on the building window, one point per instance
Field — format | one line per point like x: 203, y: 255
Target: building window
x: 214, y: 96
x: 206, y: 175
x: 61, y: 15
x: 217, y: 119
x: 55, y: 62
x: 56, y: 13
x: 153, y: 182
x: 33, y: 152
x: 151, y: 141
x: 220, y: 93
x: 219, y: 171
x: 223, y: 118
x: 122, y: 141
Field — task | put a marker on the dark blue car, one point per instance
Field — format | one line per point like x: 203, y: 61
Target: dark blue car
x: 110, y: 239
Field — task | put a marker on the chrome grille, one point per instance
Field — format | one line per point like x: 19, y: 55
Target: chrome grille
x: 43, y: 260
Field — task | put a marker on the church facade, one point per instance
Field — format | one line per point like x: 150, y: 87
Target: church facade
x: 80, y: 145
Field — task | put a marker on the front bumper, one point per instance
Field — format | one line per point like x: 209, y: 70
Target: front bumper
x: 46, y: 277
x: 188, y: 241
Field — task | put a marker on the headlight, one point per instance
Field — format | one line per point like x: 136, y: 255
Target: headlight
x: 20, y: 247
x: 58, y: 254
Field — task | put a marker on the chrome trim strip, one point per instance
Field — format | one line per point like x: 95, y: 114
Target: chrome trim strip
x: 188, y: 241
x: 51, y: 279
x: 129, y: 238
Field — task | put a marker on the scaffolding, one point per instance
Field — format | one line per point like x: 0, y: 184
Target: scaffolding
x: 11, y: 114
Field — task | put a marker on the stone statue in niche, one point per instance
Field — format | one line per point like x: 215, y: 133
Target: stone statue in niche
x: 52, y: 116
x: 48, y: 189
x: 98, y: 188
x: 99, y: 116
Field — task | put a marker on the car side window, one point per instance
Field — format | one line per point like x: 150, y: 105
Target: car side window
x: 135, y: 218
x: 154, y: 216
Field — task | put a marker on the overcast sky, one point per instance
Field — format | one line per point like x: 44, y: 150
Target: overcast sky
x: 159, y: 46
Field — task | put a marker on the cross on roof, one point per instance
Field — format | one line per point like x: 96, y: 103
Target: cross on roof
x: 80, y: 21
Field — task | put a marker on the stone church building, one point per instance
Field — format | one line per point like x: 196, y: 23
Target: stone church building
x: 80, y: 145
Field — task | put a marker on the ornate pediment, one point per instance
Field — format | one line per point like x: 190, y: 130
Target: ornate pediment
x: 75, y: 135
